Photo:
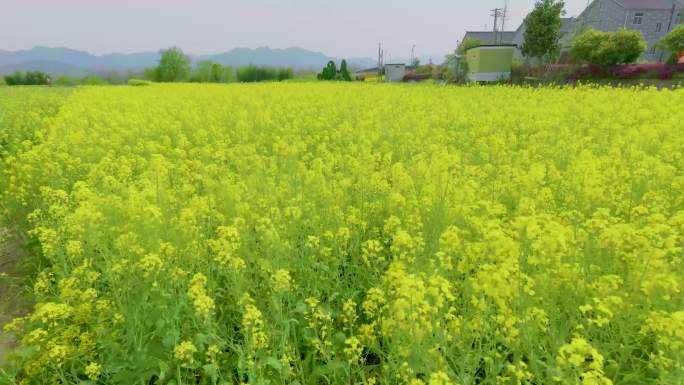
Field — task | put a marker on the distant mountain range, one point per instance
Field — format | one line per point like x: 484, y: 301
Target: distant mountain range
x: 65, y: 61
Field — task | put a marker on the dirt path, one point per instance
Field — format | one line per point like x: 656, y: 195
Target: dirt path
x: 11, y: 301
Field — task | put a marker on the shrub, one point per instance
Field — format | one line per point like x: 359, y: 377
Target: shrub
x: 673, y: 43
x: 253, y: 73
x: 67, y: 81
x: 93, y: 80
x: 608, y: 48
x: 138, y: 82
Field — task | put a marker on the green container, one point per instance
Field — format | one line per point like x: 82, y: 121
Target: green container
x: 490, y: 63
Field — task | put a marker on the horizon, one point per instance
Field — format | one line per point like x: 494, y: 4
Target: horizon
x: 216, y: 27
x: 185, y: 52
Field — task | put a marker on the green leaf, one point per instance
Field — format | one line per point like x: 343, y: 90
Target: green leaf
x: 274, y: 363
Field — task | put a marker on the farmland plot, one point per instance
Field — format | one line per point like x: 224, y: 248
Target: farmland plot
x: 348, y: 234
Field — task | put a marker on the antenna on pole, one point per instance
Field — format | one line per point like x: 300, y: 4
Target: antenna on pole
x: 496, y: 13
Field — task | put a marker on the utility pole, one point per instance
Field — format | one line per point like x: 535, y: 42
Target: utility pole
x: 413, y: 54
x: 381, y: 53
x: 503, y: 19
x: 496, y: 13
x: 669, y: 27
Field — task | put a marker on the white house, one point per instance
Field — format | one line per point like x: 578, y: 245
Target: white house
x: 395, y: 72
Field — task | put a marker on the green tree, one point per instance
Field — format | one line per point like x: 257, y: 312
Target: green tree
x: 173, y: 66
x: 203, y: 72
x: 208, y: 71
x: 30, y: 78
x: 344, y: 72
x: 151, y: 74
x: 252, y: 73
x: 329, y: 72
x: 455, y: 65
x: 542, y: 30
x: 285, y: 73
x: 227, y: 74
x: 608, y: 48
x: 673, y: 43
x: 14, y: 79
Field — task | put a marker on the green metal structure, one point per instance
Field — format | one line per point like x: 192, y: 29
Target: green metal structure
x: 490, y: 63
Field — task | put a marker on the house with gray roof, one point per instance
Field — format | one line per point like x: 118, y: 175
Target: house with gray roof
x: 654, y: 18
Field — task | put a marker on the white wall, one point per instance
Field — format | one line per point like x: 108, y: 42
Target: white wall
x: 395, y: 72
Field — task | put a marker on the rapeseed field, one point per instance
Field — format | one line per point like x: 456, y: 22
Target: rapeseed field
x: 347, y: 234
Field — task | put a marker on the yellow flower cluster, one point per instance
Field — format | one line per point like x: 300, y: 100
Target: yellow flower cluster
x: 347, y: 233
x: 319, y: 322
x: 204, y: 305
x: 584, y: 360
x: 185, y: 352
x: 281, y: 280
x: 225, y: 247
x: 253, y: 325
x: 93, y: 371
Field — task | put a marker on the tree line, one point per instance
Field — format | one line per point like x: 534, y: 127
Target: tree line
x: 330, y: 72
x: 30, y: 78
x: 175, y: 66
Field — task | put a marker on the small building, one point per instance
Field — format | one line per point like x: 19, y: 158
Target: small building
x: 395, y: 72
x: 490, y: 63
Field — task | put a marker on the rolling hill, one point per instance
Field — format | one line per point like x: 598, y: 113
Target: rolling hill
x: 66, y: 61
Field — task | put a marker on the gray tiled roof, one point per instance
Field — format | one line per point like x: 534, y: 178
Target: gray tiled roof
x: 487, y: 37
x: 651, y: 4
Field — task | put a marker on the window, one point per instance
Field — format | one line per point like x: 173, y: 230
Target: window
x: 653, y: 50
x: 659, y: 27
x: 638, y: 18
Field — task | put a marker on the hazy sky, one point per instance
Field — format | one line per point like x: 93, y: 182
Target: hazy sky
x: 348, y: 28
